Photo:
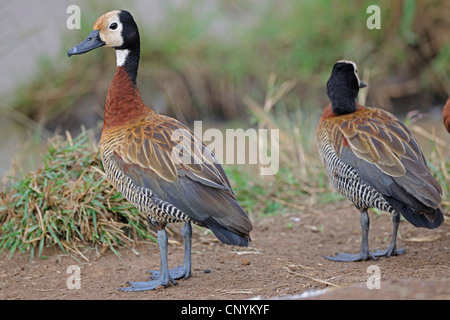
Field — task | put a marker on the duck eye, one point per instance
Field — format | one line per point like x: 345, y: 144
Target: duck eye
x: 113, y: 26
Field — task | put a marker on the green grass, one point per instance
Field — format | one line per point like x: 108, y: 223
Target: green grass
x: 68, y: 202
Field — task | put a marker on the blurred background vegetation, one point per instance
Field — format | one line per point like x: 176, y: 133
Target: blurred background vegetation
x: 230, y: 63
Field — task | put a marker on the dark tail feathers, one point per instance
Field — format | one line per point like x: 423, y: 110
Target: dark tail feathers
x: 227, y: 235
x: 430, y: 220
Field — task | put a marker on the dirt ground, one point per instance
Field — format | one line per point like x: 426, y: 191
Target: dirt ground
x: 284, y: 260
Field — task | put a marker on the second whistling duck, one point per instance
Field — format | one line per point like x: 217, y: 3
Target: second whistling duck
x: 373, y: 159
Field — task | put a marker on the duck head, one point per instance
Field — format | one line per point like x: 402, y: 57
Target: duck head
x: 343, y: 87
x: 115, y: 29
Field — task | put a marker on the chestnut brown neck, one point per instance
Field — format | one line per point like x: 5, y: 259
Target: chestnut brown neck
x: 328, y: 112
x: 123, y: 101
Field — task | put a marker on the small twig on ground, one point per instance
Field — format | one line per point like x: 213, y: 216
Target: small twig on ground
x: 309, y: 277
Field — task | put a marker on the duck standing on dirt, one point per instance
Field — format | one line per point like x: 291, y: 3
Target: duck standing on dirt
x: 373, y: 159
x: 140, y: 152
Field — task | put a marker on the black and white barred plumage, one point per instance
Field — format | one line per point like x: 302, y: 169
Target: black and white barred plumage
x: 158, y: 212
x: 346, y: 180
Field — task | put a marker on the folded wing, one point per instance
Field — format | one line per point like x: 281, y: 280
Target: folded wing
x: 387, y: 157
x: 179, y: 169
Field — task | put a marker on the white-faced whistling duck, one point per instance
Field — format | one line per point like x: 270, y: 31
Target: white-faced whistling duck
x: 373, y: 159
x: 137, y: 149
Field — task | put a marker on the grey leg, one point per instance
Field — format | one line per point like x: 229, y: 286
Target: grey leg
x: 165, y: 278
x: 392, y: 249
x: 181, y: 272
x: 187, y: 237
x: 364, y: 253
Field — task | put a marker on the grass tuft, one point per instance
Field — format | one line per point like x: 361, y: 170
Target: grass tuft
x: 69, y: 202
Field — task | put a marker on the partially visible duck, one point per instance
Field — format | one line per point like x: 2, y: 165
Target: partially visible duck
x: 446, y: 115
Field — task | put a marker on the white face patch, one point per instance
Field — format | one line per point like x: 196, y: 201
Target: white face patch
x: 121, y: 57
x: 355, y: 68
x: 110, y: 29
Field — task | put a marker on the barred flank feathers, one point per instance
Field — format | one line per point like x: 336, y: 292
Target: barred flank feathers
x: 346, y: 180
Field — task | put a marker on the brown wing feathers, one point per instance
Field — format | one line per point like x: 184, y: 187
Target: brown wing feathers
x: 372, y: 140
x: 194, y: 182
